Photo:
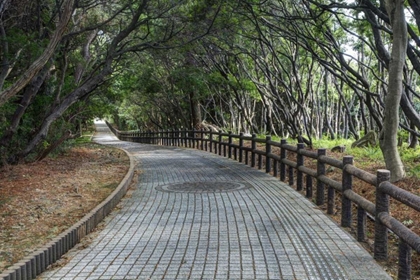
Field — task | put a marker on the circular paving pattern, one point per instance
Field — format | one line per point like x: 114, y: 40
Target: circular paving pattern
x: 203, y: 187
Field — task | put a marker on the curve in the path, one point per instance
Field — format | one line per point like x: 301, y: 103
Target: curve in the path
x: 195, y: 215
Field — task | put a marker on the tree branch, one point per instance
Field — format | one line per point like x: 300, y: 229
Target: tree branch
x: 43, y: 59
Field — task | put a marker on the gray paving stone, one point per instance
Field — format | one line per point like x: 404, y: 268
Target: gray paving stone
x: 265, y: 231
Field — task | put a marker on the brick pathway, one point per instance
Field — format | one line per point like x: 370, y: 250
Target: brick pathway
x: 195, y: 215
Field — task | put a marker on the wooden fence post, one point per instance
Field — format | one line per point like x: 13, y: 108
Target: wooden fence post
x: 267, y: 154
x: 174, y: 137
x: 253, y: 148
x: 202, y: 140
x: 220, y: 143
x: 330, y: 200
x: 275, y: 168
x: 170, y: 137
x: 241, y: 145
x: 246, y: 157
x: 235, y: 152
x: 216, y: 145
x: 230, y: 145
x: 361, y: 224
x: 291, y: 177
x: 347, y: 183
x: 404, y: 260
x: 224, y: 149
x: 163, y: 137
x: 299, y: 162
x: 135, y: 136
x: 283, y: 155
x: 211, y: 141
x: 320, y: 191
x: 309, y: 186
x: 193, y: 138
x: 380, y: 250
x: 183, y: 137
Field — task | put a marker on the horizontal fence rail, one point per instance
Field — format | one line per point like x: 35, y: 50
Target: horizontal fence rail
x: 254, y: 151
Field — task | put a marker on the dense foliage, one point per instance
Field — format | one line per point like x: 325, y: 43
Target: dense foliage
x: 302, y: 69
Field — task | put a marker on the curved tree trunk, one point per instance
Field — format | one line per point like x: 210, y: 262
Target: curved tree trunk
x: 28, y: 95
x: 89, y: 85
x: 38, y: 64
x: 388, y: 137
x: 67, y: 101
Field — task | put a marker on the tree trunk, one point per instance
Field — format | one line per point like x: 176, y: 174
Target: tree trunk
x: 363, y: 116
x: 195, y: 111
x: 414, y: 141
x: 89, y: 85
x: 80, y: 68
x: 38, y: 64
x: 67, y: 101
x: 67, y: 135
x: 349, y: 124
x: 29, y: 93
x: 388, y: 137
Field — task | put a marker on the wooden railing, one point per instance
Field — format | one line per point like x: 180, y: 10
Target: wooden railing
x: 245, y: 149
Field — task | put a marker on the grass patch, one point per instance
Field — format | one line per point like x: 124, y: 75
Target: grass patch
x: 83, y: 139
x: 110, y: 186
x: 329, y: 144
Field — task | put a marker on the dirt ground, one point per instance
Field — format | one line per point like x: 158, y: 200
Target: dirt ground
x: 40, y: 200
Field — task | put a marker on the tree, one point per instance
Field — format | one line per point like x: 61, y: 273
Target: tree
x: 388, y: 136
x: 40, y: 62
x: 64, y: 76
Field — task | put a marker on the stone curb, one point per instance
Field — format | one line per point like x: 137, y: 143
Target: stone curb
x: 37, y: 262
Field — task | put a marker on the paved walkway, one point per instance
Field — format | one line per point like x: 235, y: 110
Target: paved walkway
x: 195, y: 215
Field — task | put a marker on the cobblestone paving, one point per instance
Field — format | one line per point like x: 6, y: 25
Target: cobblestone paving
x: 240, y: 223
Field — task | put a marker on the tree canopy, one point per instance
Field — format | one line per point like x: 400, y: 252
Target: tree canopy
x: 302, y: 69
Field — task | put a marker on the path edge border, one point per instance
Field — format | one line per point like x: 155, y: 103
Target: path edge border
x: 37, y: 262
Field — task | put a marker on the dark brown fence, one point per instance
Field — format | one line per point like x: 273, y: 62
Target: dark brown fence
x: 254, y: 151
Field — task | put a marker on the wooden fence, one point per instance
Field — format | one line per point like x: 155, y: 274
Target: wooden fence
x: 244, y: 149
